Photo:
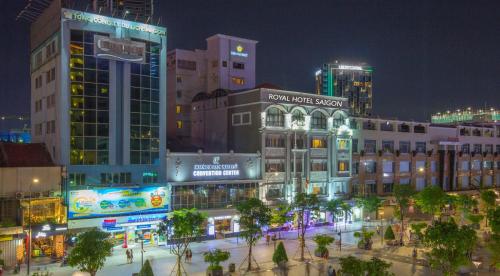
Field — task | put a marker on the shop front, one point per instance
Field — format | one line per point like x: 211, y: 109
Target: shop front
x: 11, y: 245
x: 223, y: 226
x: 47, y: 240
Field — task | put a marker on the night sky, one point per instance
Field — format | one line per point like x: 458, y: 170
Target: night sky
x: 429, y: 55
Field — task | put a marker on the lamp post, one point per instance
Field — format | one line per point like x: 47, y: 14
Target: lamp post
x: 35, y: 181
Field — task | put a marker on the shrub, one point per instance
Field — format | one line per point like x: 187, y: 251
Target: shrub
x: 146, y: 269
x: 389, y: 234
x: 215, y: 257
x: 322, y: 241
x: 279, y: 255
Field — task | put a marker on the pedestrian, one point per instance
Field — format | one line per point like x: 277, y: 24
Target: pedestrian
x: 268, y: 238
x: 331, y: 271
x: 128, y: 256
x: 187, y: 255
x: 131, y: 256
x: 190, y: 255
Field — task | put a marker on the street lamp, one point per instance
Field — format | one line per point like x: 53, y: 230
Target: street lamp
x: 477, y: 264
x: 35, y: 181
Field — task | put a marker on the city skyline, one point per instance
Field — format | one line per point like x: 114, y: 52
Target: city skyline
x: 421, y: 56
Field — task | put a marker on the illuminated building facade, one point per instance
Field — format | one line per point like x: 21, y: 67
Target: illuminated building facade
x: 353, y: 82
x: 487, y: 116
x: 135, y: 10
x: 228, y: 63
x: 99, y: 104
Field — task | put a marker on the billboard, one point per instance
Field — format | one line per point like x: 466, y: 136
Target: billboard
x: 117, y: 201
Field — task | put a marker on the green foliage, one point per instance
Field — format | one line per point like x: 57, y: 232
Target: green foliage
x: 389, y: 234
x: 370, y: 204
x: 346, y: 210
x: 489, y: 198
x: 475, y: 219
x: 253, y: 215
x: 417, y: 229
x: 146, y: 270
x: 304, y: 202
x: 7, y: 222
x: 494, y: 217
x: 431, y: 199
x: 365, y: 238
x: 333, y: 206
x: 90, y: 252
x: 279, y: 215
x: 322, y: 241
x: 450, y: 245
x: 352, y: 266
x: 279, y: 255
x: 403, y: 195
x: 2, y: 262
x: 494, y: 244
x: 215, y: 257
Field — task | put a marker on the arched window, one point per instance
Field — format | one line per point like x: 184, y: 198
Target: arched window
x: 298, y: 118
x: 275, y: 117
x: 318, y: 120
x: 339, y: 119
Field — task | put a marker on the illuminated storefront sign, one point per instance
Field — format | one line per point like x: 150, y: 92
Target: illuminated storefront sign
x: 117, y: 201
x: 115, y: 22
x: 302, y: 99
x: 119, y: 49
x: 239, y: 51
x: 216, y: 169
x: 350, y: 67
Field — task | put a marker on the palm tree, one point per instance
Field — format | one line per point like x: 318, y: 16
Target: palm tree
x: 347, y: 210
x: 333, y: 206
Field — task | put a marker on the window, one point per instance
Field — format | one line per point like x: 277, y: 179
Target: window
x: 179, y: 93
x: 420, y: 147
x: 388, y: 186
x: 476, y: 164
x: 319, y: 188
x: 433, y: 166
x: 186, y: 64
x: 466, y: 148
x: 388, y: 146
x: 339, y: 119
x: 50, y: 75
x: 420, y: 166
x: 224, y: 63
x: 318, y: 142
x: 53, y: 126
x: 238, y: 80
x: 371, y: 188
x: 434, y: 181
x: 319, y: 165
x: 318, y: 120
x: 370, y: 166
x: 498, y: 149
x: 488, y: 165
x: 419, y: 129
x: 488, y: 148
x: 355, y: 168
x: 275, y: 117
x: 343, y: 166
x: 275, y: 165
x: 369, y: 125
x: 47, y: 128
x: 478, y: 148
x: 386, y: 126
x: 420, y: 183
x: 404, y: 181
x: 354, y: 145
x: 465, y: 182
x: 388, y: 166
x: 238, y: 65
x: 179, y: 79
x: 403, y: 128
x: 240, y: 119
x: 298, y: 118
x: 404, y: 147
x: 465, y: 165
x: 116, y: 178
x: 179, y: 124
x: 404, y: 166
x: 149, y: 177
x: 370, y: 146
x: 275, y: 141
x: 76, y: 179
x: 342, y: 144
x: 177, y: 109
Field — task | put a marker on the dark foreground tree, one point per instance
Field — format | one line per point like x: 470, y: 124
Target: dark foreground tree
x: 352, y: 266
x: 279, y: 255
x: 304, y: 204
x: 254, y: 214
x: 431, y: 200
x: 451, y: 246
x: 403, y: 195
x: 90, y: 251
x: 494, y: 244
x: 146, y: 269
x: 488, y: 198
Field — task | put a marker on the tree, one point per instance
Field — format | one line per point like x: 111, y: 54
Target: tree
x: 322, y: 241
x: 280, y: 216
x: 464, y: 204
x: 378, y: 267
x: 389, y: 234
x: 370, y: 204
x: 333, y: 207
x: 352, y: 266
x: 475, y: 220
x: 253, y: 215
x: 304, y: 203
x: 451, y: 246
x: 494, y: 244
x: 488, y: 197
x: 431, y: 200
x: 2, y: 262
x: 90, y: 251
x: 215, y: 257
x: 187, y: 224
x: 403, y: 195
x: 365, y: 238
x: 146, y: 269
x: 346, y: 210
x: 417, y: 229
x: 279, y: 255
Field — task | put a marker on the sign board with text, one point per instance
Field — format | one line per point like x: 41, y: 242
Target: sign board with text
x: 276, y: 96
x: 119, y: 49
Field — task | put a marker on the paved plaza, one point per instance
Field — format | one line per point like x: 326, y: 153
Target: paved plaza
x: 163, y: 261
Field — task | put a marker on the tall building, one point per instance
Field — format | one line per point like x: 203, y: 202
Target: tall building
x: 98, y: 102
x: 353, y: 82
x: 467, y: 116
x: 228, y: 63
x: 135, y: 10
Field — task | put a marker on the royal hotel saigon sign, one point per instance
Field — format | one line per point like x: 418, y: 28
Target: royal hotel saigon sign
x: 303, y: 99
x: 109, y: 21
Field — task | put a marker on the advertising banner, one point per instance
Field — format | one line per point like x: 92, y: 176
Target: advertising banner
x: 117, y: 201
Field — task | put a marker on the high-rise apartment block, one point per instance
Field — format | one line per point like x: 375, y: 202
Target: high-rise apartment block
x: 353, y: 82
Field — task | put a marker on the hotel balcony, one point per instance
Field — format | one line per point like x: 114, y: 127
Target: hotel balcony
x: 318, y: 152
x: 319, y: 176
x: 271, y: 177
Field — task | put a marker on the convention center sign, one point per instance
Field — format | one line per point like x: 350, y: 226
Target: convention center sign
x: 117, y: 201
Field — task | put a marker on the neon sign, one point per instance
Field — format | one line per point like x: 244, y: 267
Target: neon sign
x: 350, y: 67
x: 119, y: 49
x: 115, y: 22
x: 216, y: 169
x: 239, y: 52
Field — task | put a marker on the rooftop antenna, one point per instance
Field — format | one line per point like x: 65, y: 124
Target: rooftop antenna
x: 147, y: 20
x: 125, y: 14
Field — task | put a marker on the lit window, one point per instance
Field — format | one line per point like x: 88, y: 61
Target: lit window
x: 177, y: 109
x: 238, y: 81
x: 179, y: 124
x: 318, y: 143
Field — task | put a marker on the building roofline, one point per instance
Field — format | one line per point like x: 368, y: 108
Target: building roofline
x: 246, y: 40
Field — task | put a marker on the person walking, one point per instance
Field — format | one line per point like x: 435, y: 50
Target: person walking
x: 190, y: 255
x: 128, y: 256
x: 331, y: 271
x: 187, y: 255
x: 268, y: 238
x: 131, y: 256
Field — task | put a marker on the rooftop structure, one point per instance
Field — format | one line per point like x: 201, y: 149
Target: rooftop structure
x: 468, y: 115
